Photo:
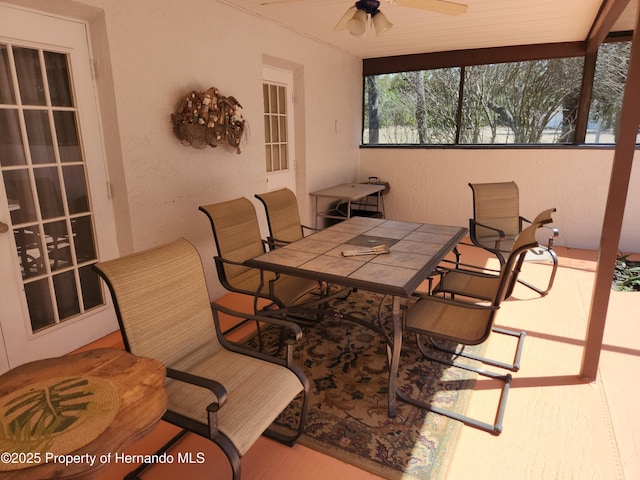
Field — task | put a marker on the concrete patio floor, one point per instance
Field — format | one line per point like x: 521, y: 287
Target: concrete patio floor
x: 557, y: 425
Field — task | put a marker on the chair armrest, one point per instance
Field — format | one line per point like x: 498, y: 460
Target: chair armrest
x: 276, y: 242
x: 290, y: 327
x: 223, y: 260
x: 554, y: 233
x: 458, y: 303
x: 467, y: 268
x: 304, y: 227
x: 472, y: 233
x: 212, y: 408
x: 474, y: 223
x: 215, y: 387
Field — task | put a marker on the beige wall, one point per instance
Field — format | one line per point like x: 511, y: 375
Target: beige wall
x: 430, y: 185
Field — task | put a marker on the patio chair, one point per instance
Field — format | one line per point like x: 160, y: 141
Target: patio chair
x: 467, y: 323
x: 476, y: 282
x: 237, y: 237
x: 497, y: 221
x: 283, y: 217
x: 219, y: 390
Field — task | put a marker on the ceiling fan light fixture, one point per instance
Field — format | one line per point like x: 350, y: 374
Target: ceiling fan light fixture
x: 348, y: 15
x: 358, y: 23
x: 380, y: 23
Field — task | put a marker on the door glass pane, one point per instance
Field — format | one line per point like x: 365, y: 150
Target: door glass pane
x: 48, y: 187
x: 283, y: 128
x: 267, y: 129
x: 66, y: 295
x: 273, y: 93
x: 265, y: 97
x: 91, y: 288
x: 58, y: 78
x: 75, y: 188
x: 282, y: 101
x: 19, y: 195
x: 39, y: 135
x: 11, y: 149
x: 39, y: 303
x: 58, y: 247
x: 67, y: 136
x: 276, y: 158
x: 83, y: 239
x: 29, y: 250
x: 29, y: 73
x: 6, y: 85
x: 268, y: 157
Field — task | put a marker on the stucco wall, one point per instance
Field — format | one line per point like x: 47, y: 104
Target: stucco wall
x: 431, y: 185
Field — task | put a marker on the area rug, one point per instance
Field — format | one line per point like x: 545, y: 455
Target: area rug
x: 347, y: 419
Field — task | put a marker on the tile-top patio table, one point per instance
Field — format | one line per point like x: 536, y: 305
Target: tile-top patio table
x: 415, y: 250
x: 346, y: 191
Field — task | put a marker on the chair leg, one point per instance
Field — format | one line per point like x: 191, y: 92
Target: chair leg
x: 516, y: 274
x: 554, y: 269
x: 290, y: 440
x: 514, y: 366
x: 231, y: 452
x: 495, y: 428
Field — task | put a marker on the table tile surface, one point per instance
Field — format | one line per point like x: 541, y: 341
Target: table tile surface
x: 415, y: 251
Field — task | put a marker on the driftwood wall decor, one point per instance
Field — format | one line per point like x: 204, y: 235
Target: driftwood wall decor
x: 208, y: 118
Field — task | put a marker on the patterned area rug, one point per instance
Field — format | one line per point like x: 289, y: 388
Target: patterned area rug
x: 347, y: 369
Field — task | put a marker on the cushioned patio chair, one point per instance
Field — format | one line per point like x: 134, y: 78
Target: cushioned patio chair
x: 497, y: 221
x: 467, y: 322
x: 283, y: 217
x: 238, y: 239
x: 216, y: 389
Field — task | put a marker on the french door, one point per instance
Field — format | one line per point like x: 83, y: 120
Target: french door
x: 55, y: 214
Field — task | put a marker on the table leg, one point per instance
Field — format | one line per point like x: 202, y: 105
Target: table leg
x: 316, y: 214
x: 394, y: 355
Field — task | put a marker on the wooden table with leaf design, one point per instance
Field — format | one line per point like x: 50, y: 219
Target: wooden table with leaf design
x: 53, y: 404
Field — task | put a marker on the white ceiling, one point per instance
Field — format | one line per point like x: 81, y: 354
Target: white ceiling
x: 487, y: 23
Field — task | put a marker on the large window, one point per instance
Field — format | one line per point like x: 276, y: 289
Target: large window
x: 528, y: 102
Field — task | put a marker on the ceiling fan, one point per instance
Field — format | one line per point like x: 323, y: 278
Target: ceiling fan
x: 356, y: 16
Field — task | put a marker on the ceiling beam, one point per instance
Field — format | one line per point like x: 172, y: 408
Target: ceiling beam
x: 614, y: 211
x: 607, y: 17
x: 478, y: 56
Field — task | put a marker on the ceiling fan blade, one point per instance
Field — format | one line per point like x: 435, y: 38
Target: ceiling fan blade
x: 342, y: 24
x: 438, y: 6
